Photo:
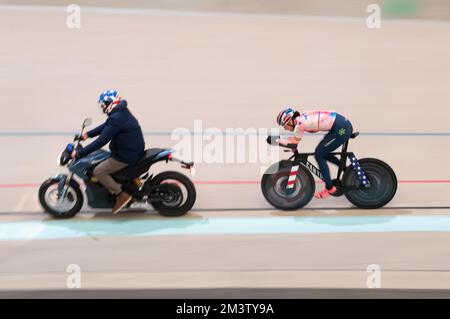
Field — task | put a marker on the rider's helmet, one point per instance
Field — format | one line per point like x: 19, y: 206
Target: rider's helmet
x: 108, y: 100
x: 285, y: 116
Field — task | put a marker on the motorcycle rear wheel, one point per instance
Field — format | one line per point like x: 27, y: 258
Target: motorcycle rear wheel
x: 175, y: 200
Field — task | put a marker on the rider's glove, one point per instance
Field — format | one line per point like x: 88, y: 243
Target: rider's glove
x: 79, y: 137
x: 272, y: 140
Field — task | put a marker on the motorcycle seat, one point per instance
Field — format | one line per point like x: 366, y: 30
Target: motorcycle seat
x: 149, y: 155
x: 140, y: 166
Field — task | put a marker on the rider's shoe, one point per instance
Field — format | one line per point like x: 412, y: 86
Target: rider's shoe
x: 122, y: 199
x: 325, y: 193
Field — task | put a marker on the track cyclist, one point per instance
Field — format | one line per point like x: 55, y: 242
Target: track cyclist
x: 339, y: 131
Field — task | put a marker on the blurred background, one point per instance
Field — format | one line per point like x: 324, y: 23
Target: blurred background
x: 394, y: 9
x: 231, y: 64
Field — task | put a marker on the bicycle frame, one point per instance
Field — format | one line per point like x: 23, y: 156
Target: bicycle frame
x: 344, y: 155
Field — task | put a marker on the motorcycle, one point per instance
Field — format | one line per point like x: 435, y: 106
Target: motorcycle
x: 367, y: 183
x: 170, y: 193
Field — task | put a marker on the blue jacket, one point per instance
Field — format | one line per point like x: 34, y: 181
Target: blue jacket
x: 123, y: 131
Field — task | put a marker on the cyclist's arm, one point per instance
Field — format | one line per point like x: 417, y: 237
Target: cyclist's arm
x: 299, y: 131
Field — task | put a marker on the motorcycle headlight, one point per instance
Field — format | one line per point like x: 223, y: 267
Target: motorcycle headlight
x: 64, y: 158
x: 58, y: 160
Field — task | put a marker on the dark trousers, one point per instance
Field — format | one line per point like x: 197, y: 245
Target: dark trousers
x: 340, y: 132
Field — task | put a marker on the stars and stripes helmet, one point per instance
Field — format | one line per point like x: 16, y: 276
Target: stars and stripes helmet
x: 108, y: 100
x: 285, y: 116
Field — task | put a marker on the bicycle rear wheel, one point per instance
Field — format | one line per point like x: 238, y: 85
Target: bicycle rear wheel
x: 383, y: 184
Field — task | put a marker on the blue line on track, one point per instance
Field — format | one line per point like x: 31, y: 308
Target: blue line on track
x: 58, y: 229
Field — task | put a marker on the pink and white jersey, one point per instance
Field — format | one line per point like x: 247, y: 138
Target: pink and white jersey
x: 312, y: 122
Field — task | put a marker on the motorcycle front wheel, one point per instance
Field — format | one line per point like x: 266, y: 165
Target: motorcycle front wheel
x: 65, y: 207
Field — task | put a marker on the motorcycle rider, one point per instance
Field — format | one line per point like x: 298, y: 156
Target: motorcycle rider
x: 339, y: 131
x: 123, y: 132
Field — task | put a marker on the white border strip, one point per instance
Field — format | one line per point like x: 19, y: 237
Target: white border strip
x: 208, y: 14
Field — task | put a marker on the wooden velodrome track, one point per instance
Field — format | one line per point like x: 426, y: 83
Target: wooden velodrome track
x: 230, y: 71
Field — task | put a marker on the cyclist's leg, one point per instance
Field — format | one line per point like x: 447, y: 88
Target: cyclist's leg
x: 326, y: 146
x: 333, y: 159
x: 340, y: 133
x: 340, y: 123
